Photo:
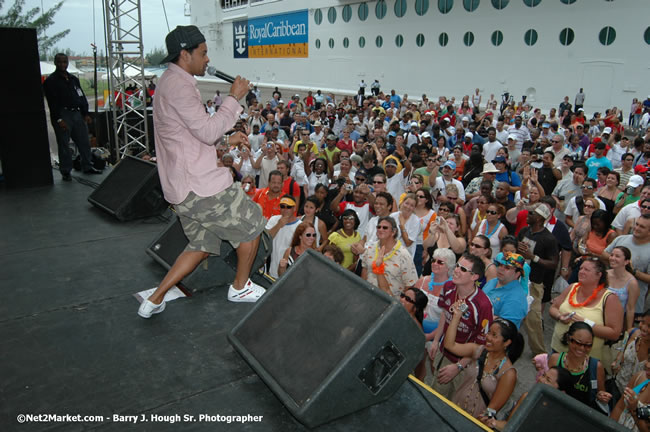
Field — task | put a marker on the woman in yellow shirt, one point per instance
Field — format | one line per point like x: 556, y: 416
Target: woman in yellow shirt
x: 346, y: 237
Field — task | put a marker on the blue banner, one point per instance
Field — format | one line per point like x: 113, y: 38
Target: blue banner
x: 284, y: 35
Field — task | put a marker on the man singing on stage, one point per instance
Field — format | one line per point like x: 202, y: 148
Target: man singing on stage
x: 210, y: 207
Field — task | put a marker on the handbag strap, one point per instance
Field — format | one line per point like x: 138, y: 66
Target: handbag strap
x: 481, y: 366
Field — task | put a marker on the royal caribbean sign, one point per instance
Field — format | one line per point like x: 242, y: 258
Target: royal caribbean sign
x: 273, y: 36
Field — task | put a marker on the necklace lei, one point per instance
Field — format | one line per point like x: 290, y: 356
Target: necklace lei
x: 381, y: 268
x: 487, y: 228
x: 593, y: 295
x: 433, y: 283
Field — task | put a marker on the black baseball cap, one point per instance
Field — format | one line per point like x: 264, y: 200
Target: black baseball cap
x: 182, y: 37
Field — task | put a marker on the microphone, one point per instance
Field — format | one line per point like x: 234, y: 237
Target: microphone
x: 221, y: 75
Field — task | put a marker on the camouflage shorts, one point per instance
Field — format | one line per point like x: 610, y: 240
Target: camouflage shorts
x: 229, y: 215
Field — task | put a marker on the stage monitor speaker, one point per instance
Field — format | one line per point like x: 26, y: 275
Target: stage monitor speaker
x: 215, y: 270
x: 24, y: 148
x: 131, y: 191
x: 328, y: 343
x: 547, y: 409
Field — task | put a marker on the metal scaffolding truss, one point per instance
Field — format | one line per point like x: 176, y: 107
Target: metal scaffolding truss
x: 125, y: 68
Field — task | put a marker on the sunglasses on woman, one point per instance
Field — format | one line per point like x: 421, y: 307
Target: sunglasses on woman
x: 492, y: 212
x: 407, y: 298
x: 384, y: 227
x: 582, y: 344
x: 310, y: 234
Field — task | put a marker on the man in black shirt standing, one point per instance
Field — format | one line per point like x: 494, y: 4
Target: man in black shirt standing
x: 69, y: 115
x: 537, y: 244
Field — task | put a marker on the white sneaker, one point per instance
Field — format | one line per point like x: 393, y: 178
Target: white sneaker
x: 250, y: 293
x: 147, y: 308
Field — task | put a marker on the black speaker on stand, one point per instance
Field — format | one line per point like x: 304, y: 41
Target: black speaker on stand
x: 24, y: 148
x: 131, y: 191
x: 213, y: 271
x: 547, y: 409
x: 328, y: 343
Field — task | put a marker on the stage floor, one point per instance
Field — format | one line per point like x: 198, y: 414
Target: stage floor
x: 73, y: 344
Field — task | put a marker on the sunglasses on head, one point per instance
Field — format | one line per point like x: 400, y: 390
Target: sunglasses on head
x: 284, y: 206
x: 407, y: 298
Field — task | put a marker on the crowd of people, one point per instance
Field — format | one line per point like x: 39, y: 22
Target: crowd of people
x: 473, y: 215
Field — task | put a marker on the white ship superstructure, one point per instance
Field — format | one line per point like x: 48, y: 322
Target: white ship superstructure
x: 544, y: 49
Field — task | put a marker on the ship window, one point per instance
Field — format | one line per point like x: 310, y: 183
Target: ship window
x: 380, y: 9
x: 331, y: 15
x: 317, y: 43
x: 444, y: 6
x: 399, y: 40
x: 530, y: 37
x: 421, y: 7
x: 347, y: 13
x: 443, y: 39
x: 346, y: 42
x: 568, y: 1
x: 379, y: 41
x: 646, y: 35
x: 468, y: 39
x: 331, y: 43
x: 497, y: 38
x: 362, y: 42
x: 471, y: 5
x: 419, y: 39
x: 532, y: 3
x: 607, y: 36
x: 400, y: 8
x: 566, y: 36
x: 318, y: 17
x: 500, y: 4
x: 363, y: 11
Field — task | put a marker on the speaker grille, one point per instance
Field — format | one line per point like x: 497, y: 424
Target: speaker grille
x: 120, y: 185
x: 302, y: 332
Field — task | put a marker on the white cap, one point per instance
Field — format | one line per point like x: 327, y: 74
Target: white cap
x: 512, y: 136
x: 465, y: 118
x: 414, y: 124
x: 426, y: 135
x: 607, y: 130
x: 469, y: 135
x: 635, y: 181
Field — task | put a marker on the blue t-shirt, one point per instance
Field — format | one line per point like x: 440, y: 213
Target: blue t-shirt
x: 508, y: 301
x: 512, y: 178
x: 593, y: 163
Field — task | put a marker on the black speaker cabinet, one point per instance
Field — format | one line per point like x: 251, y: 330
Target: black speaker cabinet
x: 24, y: 147
x: 328, y: 343
x: 215, y: 270
x: 547, y: 409
x: 131, y: 191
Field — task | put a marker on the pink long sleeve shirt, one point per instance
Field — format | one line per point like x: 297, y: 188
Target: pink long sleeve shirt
x: 185, y: 136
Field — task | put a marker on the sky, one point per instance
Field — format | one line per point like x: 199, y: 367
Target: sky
x: 77, y: 15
